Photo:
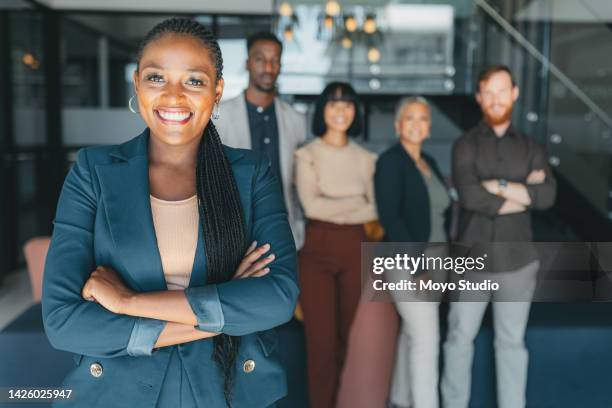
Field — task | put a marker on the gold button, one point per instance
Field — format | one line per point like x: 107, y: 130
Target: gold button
x: 248, y: 366
x: 96, y: 369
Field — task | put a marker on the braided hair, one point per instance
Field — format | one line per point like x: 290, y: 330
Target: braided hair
x: 219, y: 204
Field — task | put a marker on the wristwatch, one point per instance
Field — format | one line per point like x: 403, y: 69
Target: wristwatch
x: 503, y: 183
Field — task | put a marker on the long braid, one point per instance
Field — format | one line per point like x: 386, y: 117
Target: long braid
x: 224, y: 234
x: 219, y: 204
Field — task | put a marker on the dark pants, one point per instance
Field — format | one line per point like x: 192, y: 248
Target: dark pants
x: 330, y: 292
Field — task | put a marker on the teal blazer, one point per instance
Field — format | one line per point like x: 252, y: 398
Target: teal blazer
x: 104, y: 218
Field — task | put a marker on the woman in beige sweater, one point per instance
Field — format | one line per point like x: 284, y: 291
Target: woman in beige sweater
x: 334, y: 178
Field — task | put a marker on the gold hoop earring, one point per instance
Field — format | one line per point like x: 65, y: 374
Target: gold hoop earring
x: 130, y: 105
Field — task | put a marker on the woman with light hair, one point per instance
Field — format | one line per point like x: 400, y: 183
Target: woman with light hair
x: 413, y: 206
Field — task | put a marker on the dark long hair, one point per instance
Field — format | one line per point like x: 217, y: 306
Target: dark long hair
x: 219, y: 204
x: 336, y: 91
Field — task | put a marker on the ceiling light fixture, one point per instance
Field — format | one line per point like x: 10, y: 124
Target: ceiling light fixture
x: 369, y: 25
x: 350, y: 24
x: 328, y: 21
x: 373, y: 55
x: 288, y: 33
x: 332, y: 7
x: 285, y: 9
x: 347, y: 42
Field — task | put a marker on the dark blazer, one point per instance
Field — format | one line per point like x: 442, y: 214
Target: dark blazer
x: 104, y: 218
x: 402, y: 198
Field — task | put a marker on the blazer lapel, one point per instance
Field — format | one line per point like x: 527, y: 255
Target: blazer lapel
x: 125, y: 192
x: 124, y: 187
x: 286, y: 148
x: 198, y: 271
x: 284, y: 138
x: 243, y: 131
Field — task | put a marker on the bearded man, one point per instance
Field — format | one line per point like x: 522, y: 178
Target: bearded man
x: 500, y: 175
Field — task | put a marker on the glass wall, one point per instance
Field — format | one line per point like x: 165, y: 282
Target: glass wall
x: 563, y: 57
x: 232, y: 33
x: 23, y: 130
x: 81, y: 71
x: 559, y: 52
x: 28, y: 59
x: 389, y: 49
x: 79, y: 65
x: 28, y: 77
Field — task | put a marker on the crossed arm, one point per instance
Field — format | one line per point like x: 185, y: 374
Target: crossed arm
x: 253, y: 301
x: 486, y: 196
x: 516, y: 196
x: 106, y: 287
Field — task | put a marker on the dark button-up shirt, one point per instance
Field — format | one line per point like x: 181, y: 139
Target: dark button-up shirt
x: 264, y: 133
x: 480, y: 155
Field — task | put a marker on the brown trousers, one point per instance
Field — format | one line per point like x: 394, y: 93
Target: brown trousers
x: 330, y: 289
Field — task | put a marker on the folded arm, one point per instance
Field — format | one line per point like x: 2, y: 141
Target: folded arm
x: 165, y: 317
x: 538, y: 191
x: 177, y: 333
x: 542, y: 194
x: 511, y: 207
x: 72, y: 323
x: 368, y: 211
x: 517, y: 192
x: 256, y: 304
x: 267, y: 283
x: 317, y: 205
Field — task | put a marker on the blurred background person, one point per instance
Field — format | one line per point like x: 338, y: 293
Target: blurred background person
x: 413, y: 206
x: 258, y: 119
x: 334, y: 178
x: 261, y: 121
x: 500, y: 175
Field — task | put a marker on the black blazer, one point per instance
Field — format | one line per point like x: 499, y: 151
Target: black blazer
x: 402, y: 198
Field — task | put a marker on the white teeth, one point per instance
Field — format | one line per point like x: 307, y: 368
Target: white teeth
x: 174, y: 116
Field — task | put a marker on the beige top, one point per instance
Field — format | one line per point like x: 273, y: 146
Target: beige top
x: 336, y: 184
x: 176, y: 227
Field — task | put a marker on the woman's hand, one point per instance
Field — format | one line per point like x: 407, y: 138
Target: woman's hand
x: 252, y: 265
x: 106, y: 287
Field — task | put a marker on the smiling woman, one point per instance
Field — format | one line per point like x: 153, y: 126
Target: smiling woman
x: 414, y: 206
x: 150, y: 277
x: 334, y: 178
x: 177, y: 83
